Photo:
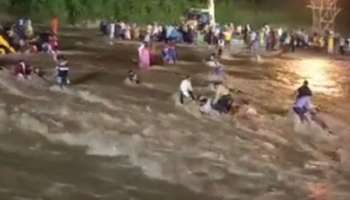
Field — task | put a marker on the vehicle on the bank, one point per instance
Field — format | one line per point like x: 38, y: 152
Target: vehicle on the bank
x: 198, y: 17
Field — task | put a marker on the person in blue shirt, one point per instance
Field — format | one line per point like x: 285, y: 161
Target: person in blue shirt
x: 303, y: 106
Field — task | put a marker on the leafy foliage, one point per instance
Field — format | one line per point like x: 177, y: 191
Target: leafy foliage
x: 141, y: 11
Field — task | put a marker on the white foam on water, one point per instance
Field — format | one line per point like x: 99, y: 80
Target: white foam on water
x: 88, y: 96
x: 3, y: 121
x: 75, y: 52
x: 56, y: 188
x: 11, y: 87
x: 97, y: 144
x: 21, y: 198
x: 85, y: 95
x: 3, y: 115
x: 309, y: 128
x: 165, y: 68
x: 29, y: 123
x: 111, y: 145
x: 189, y: 106
x: 19, y: 87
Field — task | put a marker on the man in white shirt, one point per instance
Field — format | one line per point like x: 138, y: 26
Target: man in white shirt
x: 111, y: 30
x: 186, y: 89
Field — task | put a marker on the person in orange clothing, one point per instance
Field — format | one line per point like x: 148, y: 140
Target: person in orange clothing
x: 55, y: 23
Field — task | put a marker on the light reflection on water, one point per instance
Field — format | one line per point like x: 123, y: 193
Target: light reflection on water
x: 321, y: 73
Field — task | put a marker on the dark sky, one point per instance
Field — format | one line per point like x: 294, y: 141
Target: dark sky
x: 344, y: 17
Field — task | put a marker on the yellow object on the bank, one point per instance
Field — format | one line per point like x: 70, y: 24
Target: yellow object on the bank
x: 331, y: 44
x: 262, y: 38
x: 228, y: 36
x: 5, y: 46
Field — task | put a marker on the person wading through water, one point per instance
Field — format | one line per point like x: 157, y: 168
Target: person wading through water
x: 62, y: 72
x: 303, y: 106
x: 303, y: 102
x: 186, y: 90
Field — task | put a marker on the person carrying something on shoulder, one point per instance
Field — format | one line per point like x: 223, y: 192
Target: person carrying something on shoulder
x: 186, y: 90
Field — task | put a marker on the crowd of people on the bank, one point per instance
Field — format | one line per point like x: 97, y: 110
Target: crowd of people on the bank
x: 266, y: 38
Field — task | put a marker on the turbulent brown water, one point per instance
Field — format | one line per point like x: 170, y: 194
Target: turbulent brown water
x: 104, y: 139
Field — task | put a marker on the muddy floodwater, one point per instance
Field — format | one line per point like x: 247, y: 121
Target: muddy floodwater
x: 104, y: 139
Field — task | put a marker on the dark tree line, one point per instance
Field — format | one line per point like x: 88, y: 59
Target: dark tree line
x: 73, y: 11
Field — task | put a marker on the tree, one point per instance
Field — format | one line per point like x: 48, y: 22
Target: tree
x: 324, y: 13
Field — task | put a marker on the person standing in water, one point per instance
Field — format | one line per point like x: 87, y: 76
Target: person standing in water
x: 186, y: 89
x: 133, y: 77
x: 144, y: 56
x: 303, y: 104
x: 62, y: 72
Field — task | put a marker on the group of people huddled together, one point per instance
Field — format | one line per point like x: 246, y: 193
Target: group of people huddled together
x: 24, y: 71
x: 20, y: 37
x: 224, y: 102
x: 147, y: 54
x: 266, y: 38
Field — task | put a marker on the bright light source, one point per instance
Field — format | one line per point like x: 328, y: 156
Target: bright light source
x: 318, y: 73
